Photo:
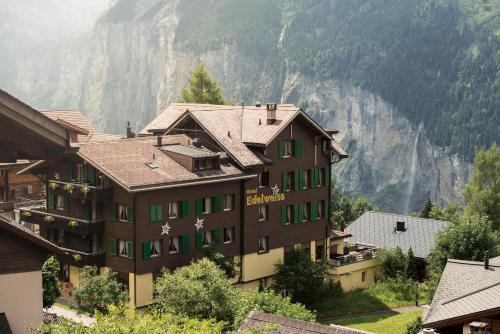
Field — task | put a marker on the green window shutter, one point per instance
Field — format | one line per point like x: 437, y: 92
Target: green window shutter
x: 199, y: 240
x: 67, y: 239
x: 315, y: 177
x: 185, y: 243
x: 328, y: 176
x: 281, y: 149
x: 159, y: 212
x: 216, y: 237
x: 65, y: 203
x: 152, y: 213
x: 106, y: 181
x: 326, y: 209
x: 301, y: 212
x: 84, y: 173
x: 185, y: 209
x: 50, y: 199
x: 283, y: 215
x: 295, y: 214
x: 301, y: 179
x: 199, y: 206
x: 284, y: 181
x: 130, y: 214
x: 217, y: 203
x: 296, y: 175
x: 112, y: 246
x: 112, y: 211
x: 130, y: 249
x: 71, y: 172
x: 314, y: 210
x: 146, y: 247
x: 297, y: 146
x: 90, y: 174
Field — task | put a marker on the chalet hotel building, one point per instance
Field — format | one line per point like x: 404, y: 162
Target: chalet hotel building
x: 251, y: 181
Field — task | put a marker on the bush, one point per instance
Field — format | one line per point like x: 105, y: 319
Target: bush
x: 226, y: 263
x: 97, y: 292
x: 50, y: 281
x: 414, y: 326
x: 394, y: 262
x: 301, y: 276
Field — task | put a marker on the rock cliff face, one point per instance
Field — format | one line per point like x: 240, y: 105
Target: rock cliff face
x: 140, y: 54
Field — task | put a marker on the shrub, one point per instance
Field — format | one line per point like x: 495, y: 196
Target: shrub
x: 414, y: 326
x: 50, y: 281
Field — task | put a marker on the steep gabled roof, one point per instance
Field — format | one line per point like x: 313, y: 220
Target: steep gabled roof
x: 377, y: 229
x: 271, y: 323
x: 466, y: 290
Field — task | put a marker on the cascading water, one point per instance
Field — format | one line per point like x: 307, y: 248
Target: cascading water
x: 413, y: 170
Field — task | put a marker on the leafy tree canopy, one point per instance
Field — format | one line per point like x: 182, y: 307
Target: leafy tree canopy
x: 50, y: 281
x: 482, y: 192
x: 202, y: 88
x: 347, y: 209
x: 97, y: 292
x: 226, y: 263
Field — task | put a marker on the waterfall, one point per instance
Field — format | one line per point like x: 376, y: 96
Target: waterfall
x: 413, y: 170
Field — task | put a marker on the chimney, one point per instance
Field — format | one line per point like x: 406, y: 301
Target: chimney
x: 258, y: 104
x: 271, y: 113
x: 487, y: 260
x: 130, y: 134
x: 400, y: 226
x: 159, y: 141
x: 342, y: 224
x: 428, y: 331
x: 197, y: 142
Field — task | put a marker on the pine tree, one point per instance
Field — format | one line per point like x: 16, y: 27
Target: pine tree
x: 202, y: 88
x: 427, y: 209
x: 411, y: 268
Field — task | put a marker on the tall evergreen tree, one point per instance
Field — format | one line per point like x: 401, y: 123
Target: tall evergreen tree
x: 202, y: 88
x: 426, y: 209
x: 411, y: 266
x: 50, y: 281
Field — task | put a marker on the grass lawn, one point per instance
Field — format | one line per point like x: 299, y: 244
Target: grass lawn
x: 377, y: 297
x: 392, y: 323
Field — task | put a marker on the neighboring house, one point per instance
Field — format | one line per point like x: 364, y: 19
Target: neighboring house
x: 16, y: 188
x: 250, y: 180
x: 22, y: 254
x: 467, y: 299
x: 265, y: 323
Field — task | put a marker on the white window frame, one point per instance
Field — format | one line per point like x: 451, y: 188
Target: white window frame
x: 122, y: 248
x: 263, y: 212
x: 122, y: 210
x: 320, y: 210
x: 176, y: 242
x: 207, y: 201
x: 263, y: 246
x: 289, y: 214
x: 225, y: 201
x: 60, y: 202
x: 321, y: 177
x: 288, y: 148
x: 207, y: 238
x: 155, y: 248
x: 173, y: 206
x: 230, y: 232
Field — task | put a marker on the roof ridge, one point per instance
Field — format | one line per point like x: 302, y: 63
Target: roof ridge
x: 473, y: 263
x: 400, y: 215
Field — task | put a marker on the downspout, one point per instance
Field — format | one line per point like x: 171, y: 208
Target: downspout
x: 242, y: 226
x: 135, y: 249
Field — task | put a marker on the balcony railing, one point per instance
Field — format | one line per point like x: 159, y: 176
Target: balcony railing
x: 80, y: 258
x: 352, y: 257
x: 81, y: 189
x: 62, y: 222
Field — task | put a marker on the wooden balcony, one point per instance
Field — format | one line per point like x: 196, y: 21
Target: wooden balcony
x: 78, y: 258
x: 61, y: 222
x: 84, y: 191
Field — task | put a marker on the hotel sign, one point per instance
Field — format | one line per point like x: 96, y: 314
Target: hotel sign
x: 254, y: 198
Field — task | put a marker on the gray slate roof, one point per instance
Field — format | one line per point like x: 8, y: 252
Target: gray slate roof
x: 466, y: 287
x: 377, y: 229
x: 190, y: 151
x: 271, y: 323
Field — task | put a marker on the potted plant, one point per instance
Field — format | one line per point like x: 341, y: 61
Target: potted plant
x: 73, y: 224
x: 49, y: 219
x: 77, y: 257
x: 53, y: 185
x: 68, y: 188
x: 85, y: 190
x: 26, y: 213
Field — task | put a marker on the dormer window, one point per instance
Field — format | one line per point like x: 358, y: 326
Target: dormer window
x: 193, y: 158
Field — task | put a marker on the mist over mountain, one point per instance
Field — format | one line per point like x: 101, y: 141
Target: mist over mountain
x: 412, y: 86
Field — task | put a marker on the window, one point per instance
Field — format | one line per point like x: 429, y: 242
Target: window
x: 126, y: 249
x: 210, y: 163
x: 228, y: 235
x: 263, y: 179
x: 201, y: 164
x: 196, y: 164
x: 86, y: 244
x: 173, y: 209
x: 307, y: 178
x: 305, y: 212
x: 173, y: 245
x: 320, y: 250
x: 263, y: 245
x: 363, y: 276
x: 263, y: 211
x: 207, y: 205
x: 155, y: 213
x: 285, y: 149
x: 30, y: 189
x: 155, y: 248
x: 320, y: 210
x: 306, y: 247
x: 321, y: 177
x: 290, y: 181
x: 207, y: 238
x: 289, y: 214
x: 228, y: 202
x: 324, y: 145
x: 122, y: 213
x: 62, y: 203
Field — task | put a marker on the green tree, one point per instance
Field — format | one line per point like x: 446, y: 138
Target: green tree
x: 199, y: 290
x: 451, y: 213
x: 97, y: 292
x: 414, y: 326
x: 225, y: 263
x: 394, y: 262
x: 50, y: 281
x: 360, y: 206
x: 426, y: 210
x: 202, y: 88
x: 341, y: 207
x: 467, y: 239
x: 411, y: 266
x: 269, y: 302
x: 482, y: 192
x: 121, y: 319
x: 300, y: 276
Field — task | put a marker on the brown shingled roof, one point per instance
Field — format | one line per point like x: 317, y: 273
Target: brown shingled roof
x: 125, y: 161
x: 271, y: 323
x: 466, y: 289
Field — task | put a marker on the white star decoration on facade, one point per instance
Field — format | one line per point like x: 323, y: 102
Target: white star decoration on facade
x: 275, y: 189
x: 199, y: 224
x: 165, y: 229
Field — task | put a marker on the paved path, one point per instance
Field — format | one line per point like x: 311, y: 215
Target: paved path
x: 403, y: 309
x: 72, y: 315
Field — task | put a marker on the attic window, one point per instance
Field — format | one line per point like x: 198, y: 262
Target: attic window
x: 151, y: 165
